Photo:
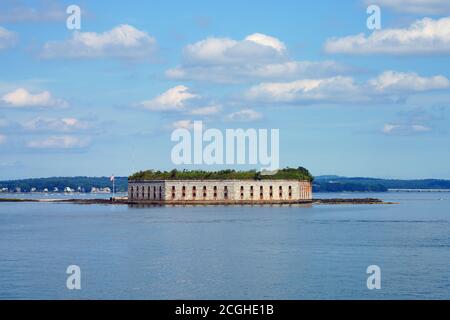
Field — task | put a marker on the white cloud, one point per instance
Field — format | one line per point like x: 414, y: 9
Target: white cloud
x: 268, y: 41
x: 426, y: 36
x: 390, y: 86
x: 213, y: 51
x: 182, y: 100
x: 245, y: 115
x: 404, y: 129
x: 2, y: 138
x: 206, y: 111
x: 308, y: 91
x: 123, y: 42
x: 59, y: 142
x: 414, y: 6
x: 236, y: 73
x: 397, y: 81
x: 173, y: 99
x: 225, y: 60
x: 420, y: 128
x: 7, y: 38
x: 21, y: 98
x: 53, y: 124
x: 389, y: 128
x: 182, y: 124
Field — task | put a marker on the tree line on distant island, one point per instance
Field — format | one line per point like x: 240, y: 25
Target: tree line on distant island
x: 320, y: 183
x: 340, y: 184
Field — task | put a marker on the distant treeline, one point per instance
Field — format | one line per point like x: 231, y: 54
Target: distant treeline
x: 320, y: 184
x: 339, y: 184
x: 85, y: 184
x: 347, y: 187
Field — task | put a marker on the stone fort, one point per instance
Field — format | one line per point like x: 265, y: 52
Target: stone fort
x: 219, y: 191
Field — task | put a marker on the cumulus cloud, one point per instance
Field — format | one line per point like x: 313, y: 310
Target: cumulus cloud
x: 122, y: 42
x: 173, y: 99
x: 55, y: 124
x: 59, y: 142
x: 390, y: 86
x: 7, y: 38
x: 22, y: 98
x: 426, y: 36
x: 213, y: 51
x: 245, y: 115
x: 414, y: 6
x: 181, y: 99
x: 415, y: 121
x: 404, y: 129
x: 397, y: 82
x: 182, y: 124
x: 225, y: 60
x: 336, y: 89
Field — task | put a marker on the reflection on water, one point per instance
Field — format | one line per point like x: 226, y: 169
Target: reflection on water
x: 228, y: 252
x: 146, y: 205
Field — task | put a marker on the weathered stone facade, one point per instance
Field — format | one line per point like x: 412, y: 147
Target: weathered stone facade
x: 219, y: 191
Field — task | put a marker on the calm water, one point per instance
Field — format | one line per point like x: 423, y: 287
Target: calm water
x: 228, y: 252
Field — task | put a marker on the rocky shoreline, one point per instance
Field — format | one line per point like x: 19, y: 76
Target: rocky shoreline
x: 335, y: 201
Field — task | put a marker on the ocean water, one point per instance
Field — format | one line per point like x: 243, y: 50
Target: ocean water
x: 224, y: 252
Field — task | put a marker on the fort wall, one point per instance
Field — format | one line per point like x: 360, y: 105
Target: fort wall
x: 219, y: 191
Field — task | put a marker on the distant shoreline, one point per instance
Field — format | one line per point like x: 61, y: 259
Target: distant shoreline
x: 322, y: 184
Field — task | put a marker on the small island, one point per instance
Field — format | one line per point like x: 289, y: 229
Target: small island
x: 225, y: 187
x: 284, y: 186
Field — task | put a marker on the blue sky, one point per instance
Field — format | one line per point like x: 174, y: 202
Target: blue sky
x: 104, y: 99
